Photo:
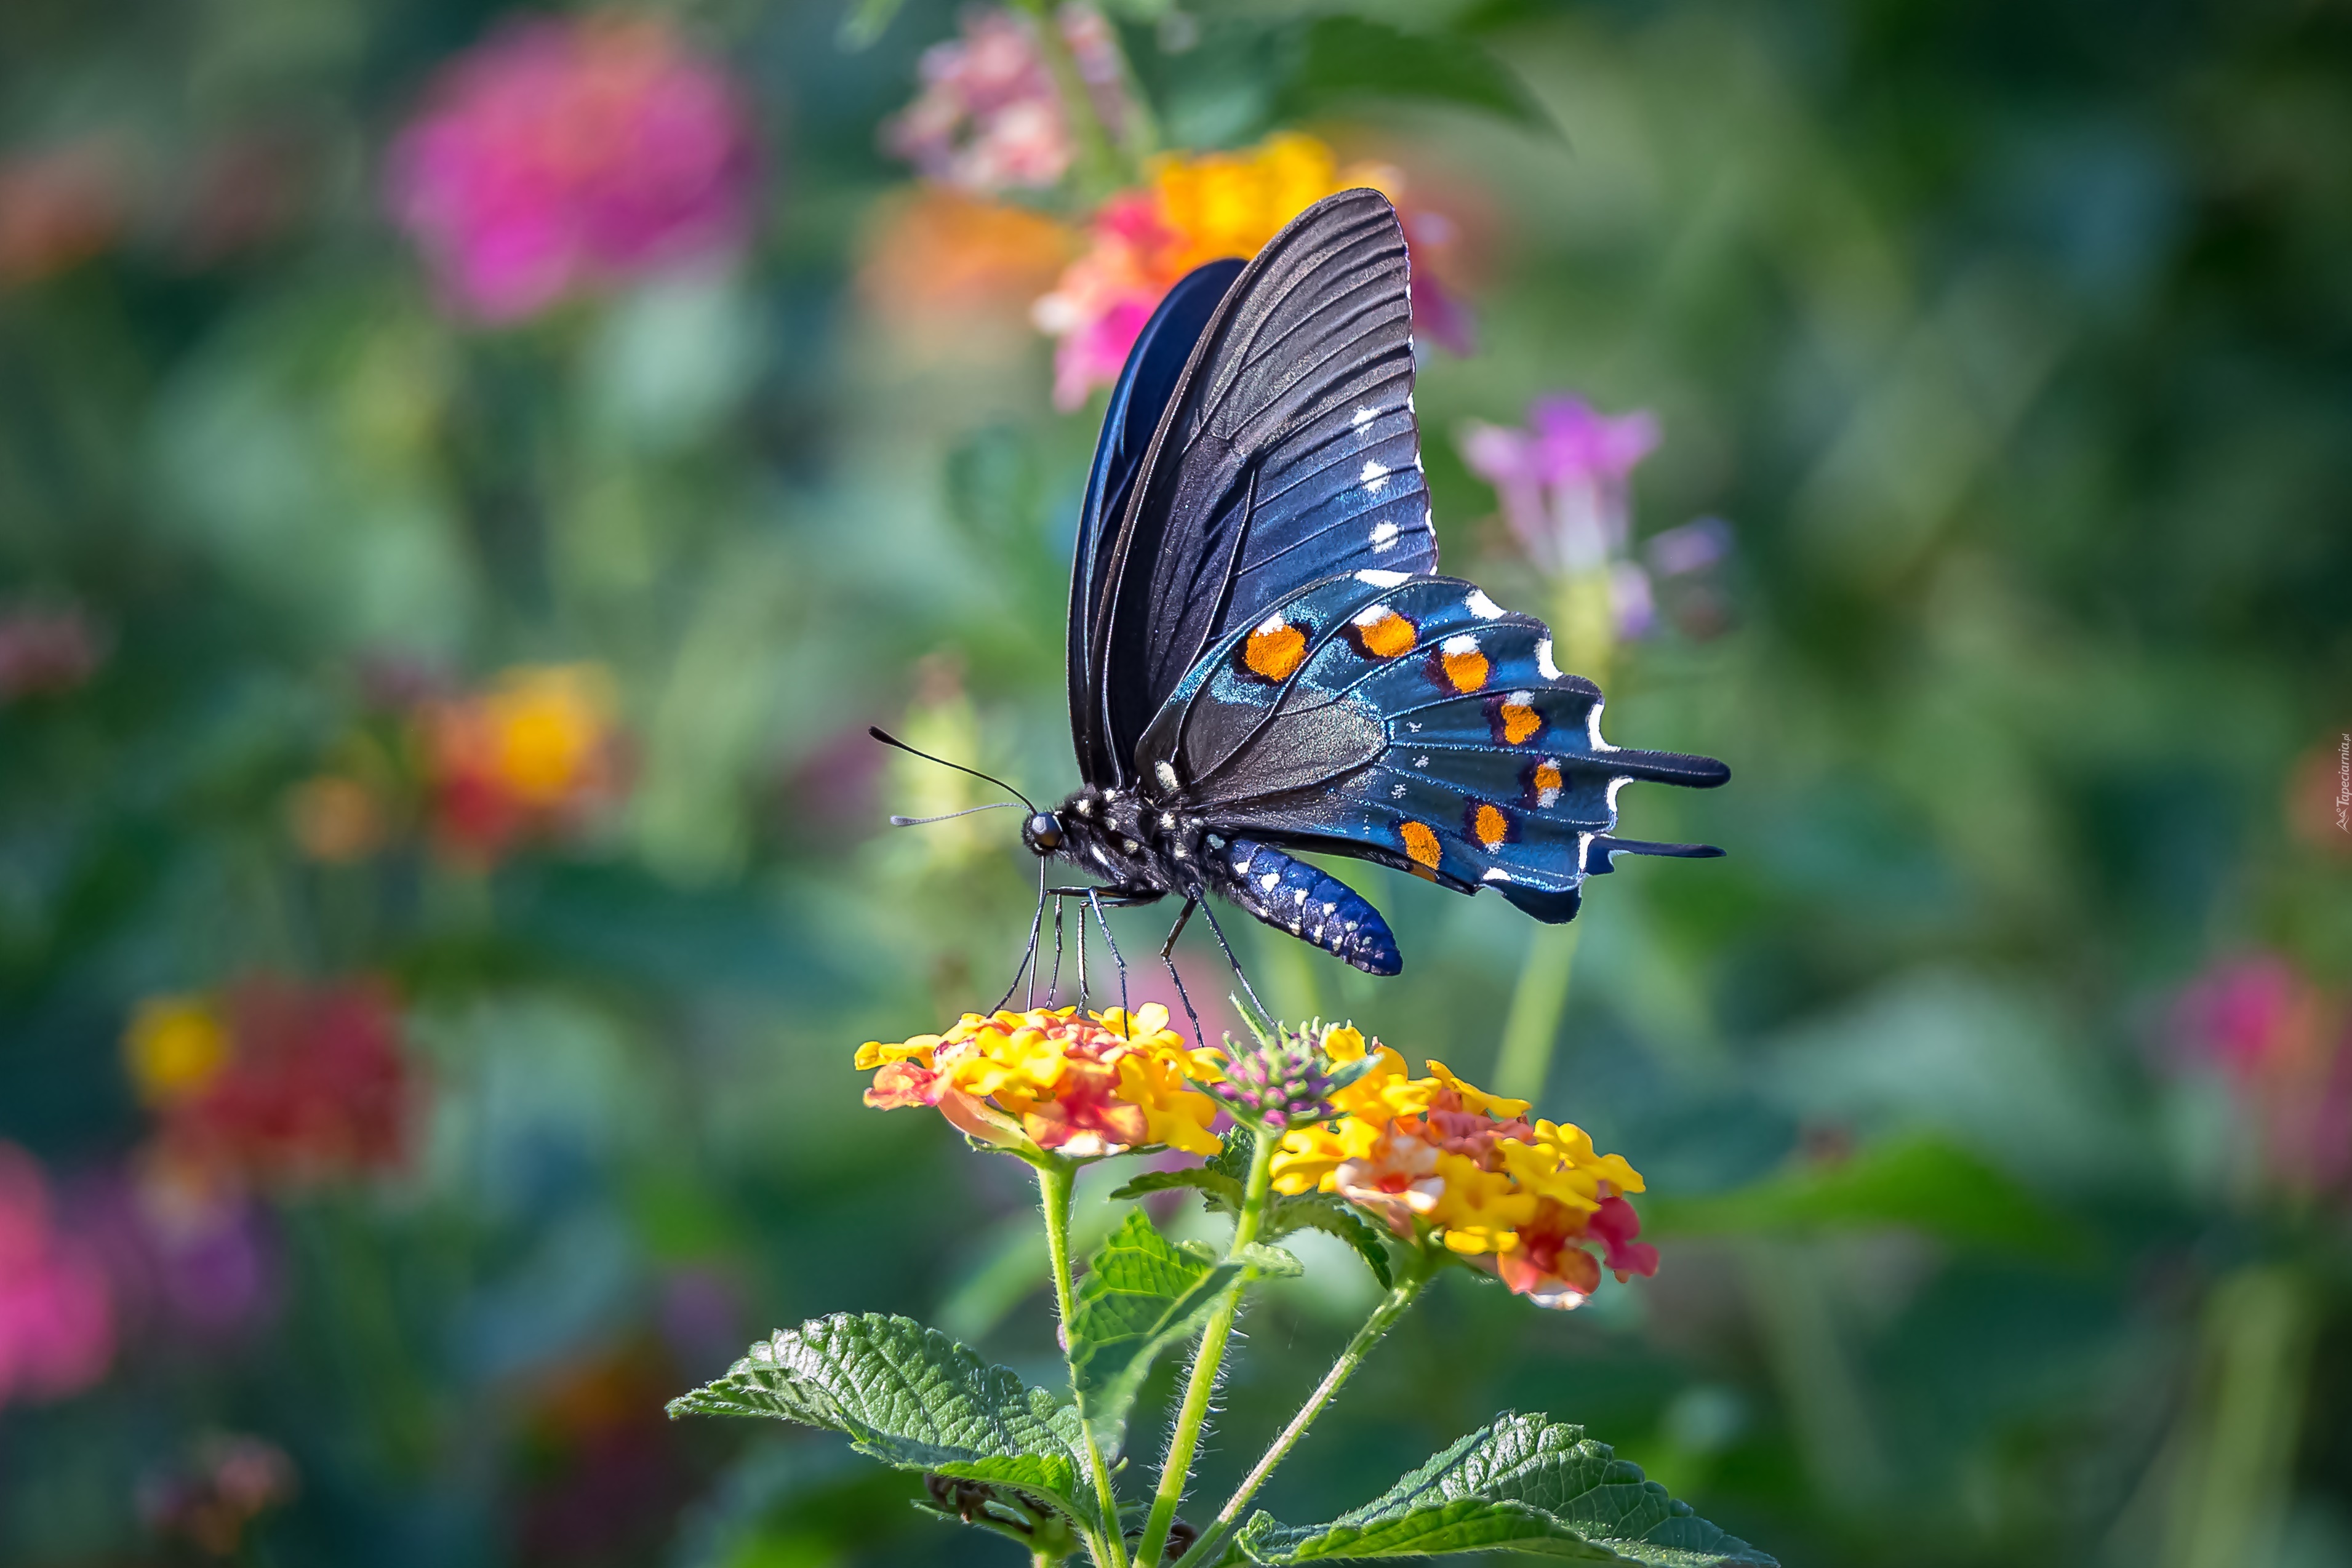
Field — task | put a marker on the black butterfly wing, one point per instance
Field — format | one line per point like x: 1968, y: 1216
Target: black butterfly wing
x: 1154, y: 366
x: 1288, y: 452
x: 1412, y: 721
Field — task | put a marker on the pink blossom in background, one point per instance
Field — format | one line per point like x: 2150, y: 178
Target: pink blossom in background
x: 989, y: 117
x: 564, y: 155
x: 57, y: 1318
x: 44, y: 652
x: 2284, y: 1045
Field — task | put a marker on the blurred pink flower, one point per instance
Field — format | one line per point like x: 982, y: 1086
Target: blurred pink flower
x: 1565, y: 485
x: 2284, y: 1045
x: 57, y: 1318
x: 990, y: 118
x: 562, y: 155
x: 44, y: 652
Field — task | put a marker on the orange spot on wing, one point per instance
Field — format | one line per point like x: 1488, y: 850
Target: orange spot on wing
x: 1273, y: 650
x: 1547, y: 783
x: 1421, y: 844
x: 1491, y: 826
x: 1381, y: 633
x: 1463, y: 666
x: 1520, y: 720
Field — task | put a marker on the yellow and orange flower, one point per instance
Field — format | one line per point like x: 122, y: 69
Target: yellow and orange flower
x: 1079, y: 1085
x: 535, y: 753
x: 1438, y: 1156
x: 1189, y: 210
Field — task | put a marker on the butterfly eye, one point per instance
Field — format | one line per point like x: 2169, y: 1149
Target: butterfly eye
x: 1043, y: 832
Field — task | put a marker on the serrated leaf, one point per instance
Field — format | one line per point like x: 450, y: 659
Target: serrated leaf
x: 1223, y: 1192
x: 1271, y: 1262
x: 1534, y: 1486
x: 911, y: 1397
x: 1332, y: 1214
x: 1140, y: 1299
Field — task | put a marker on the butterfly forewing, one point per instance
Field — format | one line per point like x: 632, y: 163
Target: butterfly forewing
x: 1287, y: 452
x: 1149, y: 380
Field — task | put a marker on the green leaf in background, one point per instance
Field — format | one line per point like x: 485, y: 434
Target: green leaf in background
x: 1344, y: 58
x: 1921, y: 1182
x: 1532, y: 1484
x: 865, y: 21
x: 908, y: 1396
x: 1140, y: 1299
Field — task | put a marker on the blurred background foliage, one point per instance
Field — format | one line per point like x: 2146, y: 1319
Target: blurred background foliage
x: 466, y: 485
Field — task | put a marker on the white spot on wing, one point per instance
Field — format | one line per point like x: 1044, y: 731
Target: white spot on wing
x: 1375, y: 578
x: 1544, y: 665
x: 1459, y: 647
x: 1485, y: 608
x: 1271, y: 625
x: 1396, y: 791
x: 1593, y: 728
x: 1372, y: 471
x: 1363, y: 416
x: 1167, y: 774
x: 1271, y: 880
x: 1495, y: 874
x: 1384, y: 536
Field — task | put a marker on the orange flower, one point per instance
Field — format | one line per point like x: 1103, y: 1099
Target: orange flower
x: 535, y: 753
x: 1049, y: 1078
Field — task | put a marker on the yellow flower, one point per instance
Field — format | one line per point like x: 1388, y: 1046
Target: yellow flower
x: 1084, y: 1086
x: 548, y: 726
x: 1439, y: 1158
x: 1231, y: 203
x: 174, y: 1046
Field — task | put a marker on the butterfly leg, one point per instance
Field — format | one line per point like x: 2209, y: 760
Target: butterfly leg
x: 1168, y: 957
x: 1094, y: 902
x: 1029, y: 958
x: 1263, y: 1014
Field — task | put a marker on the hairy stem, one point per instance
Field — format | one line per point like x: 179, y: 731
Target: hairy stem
x: 1206, y: 1360
x: 1054, y: 1178
x: 1376, y: 1326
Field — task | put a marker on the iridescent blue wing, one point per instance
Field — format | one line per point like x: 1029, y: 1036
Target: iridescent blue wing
x: 1154, y: 366
x: 1412, y: 721
x: 1288, y: 452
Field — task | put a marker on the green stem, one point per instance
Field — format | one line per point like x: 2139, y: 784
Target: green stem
x: 1098, y: 163
x: 1376, y: 1326
x: 1055, y: 1177
x: 1538, y: 1002
x: 1178, y: 1468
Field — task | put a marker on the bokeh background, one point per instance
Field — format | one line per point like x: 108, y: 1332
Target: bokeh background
x: 467, y: 479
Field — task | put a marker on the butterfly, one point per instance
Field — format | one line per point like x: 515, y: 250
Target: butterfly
x: 1262, y: 659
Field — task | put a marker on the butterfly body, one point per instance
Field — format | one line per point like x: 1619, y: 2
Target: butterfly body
x: 1264, y: 661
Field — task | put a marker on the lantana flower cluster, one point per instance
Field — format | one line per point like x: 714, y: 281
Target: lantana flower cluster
x: 1437, y: 1156
x: 1438, y: 1159
x: 1076, y: 1084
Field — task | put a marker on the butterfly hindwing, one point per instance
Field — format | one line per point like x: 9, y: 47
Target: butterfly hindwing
x: 1412, y: 721
x: 1154, y: 366
x: 1288, y: 451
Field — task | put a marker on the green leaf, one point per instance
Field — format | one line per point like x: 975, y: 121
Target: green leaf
x: 908, y: 1396
x: 1271, y: 1262
x: 1332, y: 1214
x: 1348, y: 57
x: 1223, y: 1192
x: 1140, y: 1298
x: 1924, y: 1184
x: 865, y: 21
x: 1525, y: 1483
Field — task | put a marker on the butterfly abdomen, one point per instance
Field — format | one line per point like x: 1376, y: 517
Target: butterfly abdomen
x: 1309, y: 903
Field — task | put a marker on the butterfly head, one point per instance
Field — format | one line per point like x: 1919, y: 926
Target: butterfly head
x: 1043, y: 834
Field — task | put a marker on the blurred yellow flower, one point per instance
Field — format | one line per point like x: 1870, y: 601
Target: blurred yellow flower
x: 174, y: 1047
x: 1090, y: 1085
x: 533, y: 751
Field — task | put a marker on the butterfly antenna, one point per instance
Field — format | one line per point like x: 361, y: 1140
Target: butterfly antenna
x: 889, y: 740
x: 951, y: 815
